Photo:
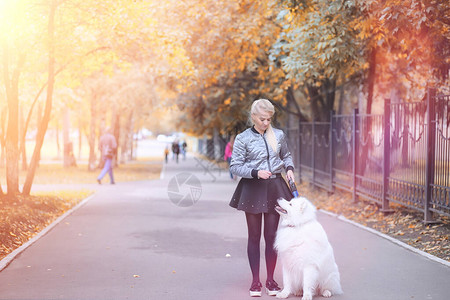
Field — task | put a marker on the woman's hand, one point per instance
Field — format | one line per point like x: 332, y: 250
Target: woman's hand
x: 290, y: 175
x: 263, y: 174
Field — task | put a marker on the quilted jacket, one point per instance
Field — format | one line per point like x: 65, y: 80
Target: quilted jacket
x: 251, y: 152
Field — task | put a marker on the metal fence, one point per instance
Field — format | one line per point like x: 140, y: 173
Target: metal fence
x: 401, y: 156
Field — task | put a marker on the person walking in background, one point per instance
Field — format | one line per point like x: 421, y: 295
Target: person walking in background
x: 184, y: 149
x: 260, y: 154
x: 176, y: 149
x: 108, y: 147
x: 228, y: 153
x: 166, y: 154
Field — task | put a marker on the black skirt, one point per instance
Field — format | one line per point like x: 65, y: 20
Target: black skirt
x: 260, y: 195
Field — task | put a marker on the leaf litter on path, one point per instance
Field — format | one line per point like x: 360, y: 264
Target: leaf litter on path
x: 22, y: 217
x: 403, y: 224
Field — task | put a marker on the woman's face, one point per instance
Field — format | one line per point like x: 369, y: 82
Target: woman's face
x: 262, y: 121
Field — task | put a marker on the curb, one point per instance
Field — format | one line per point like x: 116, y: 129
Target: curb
x: 163, y: 171
x: 389, y: 238
x: 10, y: 257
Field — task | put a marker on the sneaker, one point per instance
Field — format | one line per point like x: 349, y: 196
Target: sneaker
x: 99, y: 181
x: 272, y: 288
x: 255, y: 289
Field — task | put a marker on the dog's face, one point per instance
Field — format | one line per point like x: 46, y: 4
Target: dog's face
x: 295, y: 212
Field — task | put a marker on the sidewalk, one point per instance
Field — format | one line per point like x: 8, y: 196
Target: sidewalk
x: 130, y: 241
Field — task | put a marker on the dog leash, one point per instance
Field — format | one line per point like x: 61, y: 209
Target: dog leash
x: 293, y: 188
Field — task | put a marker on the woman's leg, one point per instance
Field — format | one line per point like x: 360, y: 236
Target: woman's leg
x: 270, y: 231
x: 254, y: 225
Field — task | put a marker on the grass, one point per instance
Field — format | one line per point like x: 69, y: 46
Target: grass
x: 56, y: 173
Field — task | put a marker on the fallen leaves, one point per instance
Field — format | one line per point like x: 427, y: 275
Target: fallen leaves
x: 23, y: 217
x: 403, y: 224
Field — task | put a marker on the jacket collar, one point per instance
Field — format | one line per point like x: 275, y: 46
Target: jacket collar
x: 256, y: 131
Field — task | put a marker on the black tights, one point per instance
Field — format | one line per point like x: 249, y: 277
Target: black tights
x: 254, y: 224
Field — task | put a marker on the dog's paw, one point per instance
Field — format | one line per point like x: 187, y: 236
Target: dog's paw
x: 307, y: 296
x: 326, y: 294
x: 283, y: 294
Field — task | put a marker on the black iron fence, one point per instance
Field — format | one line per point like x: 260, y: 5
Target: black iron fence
x: 401, y: 156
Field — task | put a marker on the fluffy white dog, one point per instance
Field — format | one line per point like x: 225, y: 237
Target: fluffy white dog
x: 306, y: 255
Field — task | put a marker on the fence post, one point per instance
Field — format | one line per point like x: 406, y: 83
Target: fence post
x: 355, y: 153
x: 387, y: 155
x: 313, y: 144
x: 331, y: 159
x: 430, y: 161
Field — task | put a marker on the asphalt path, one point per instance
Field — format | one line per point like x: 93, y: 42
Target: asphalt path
x: 177, y: 238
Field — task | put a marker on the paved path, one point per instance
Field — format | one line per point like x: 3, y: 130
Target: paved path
x: 130, y: 241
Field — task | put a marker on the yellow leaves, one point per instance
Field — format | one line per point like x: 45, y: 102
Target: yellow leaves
x: 23, y: 217
x: 227, y: 101
x: 403, y: 224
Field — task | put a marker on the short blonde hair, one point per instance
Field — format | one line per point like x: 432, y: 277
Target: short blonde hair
x: 264, y: 105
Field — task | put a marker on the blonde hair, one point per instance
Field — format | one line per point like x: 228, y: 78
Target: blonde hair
x: 264, y: 105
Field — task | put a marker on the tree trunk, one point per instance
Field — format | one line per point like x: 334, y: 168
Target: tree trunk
x: 42, y: 129
x: 341, y: 99
x: 80, y: 136
x: 91, y: 164
x: 368, y: 121
x: 127, y: 140
x: 290, y: 97
x: 330, y: 94
x: 68, y: 147
x: 23, y: 149
x: 371, y: 79
x: 3, y: 138
x: 314, y: 96
x: 58, y: 144
x: 12, y: 134
x: 116, y: 133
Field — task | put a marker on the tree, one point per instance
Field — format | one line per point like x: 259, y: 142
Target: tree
x: 411, y: 40
x: 42, y: 129
x: 319, y: 48
x: 12, y: 67
x: 227, y: 65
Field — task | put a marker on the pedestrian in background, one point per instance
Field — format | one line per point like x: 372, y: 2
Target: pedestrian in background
x: 176, y: 149
x: 228, y: 153
x: 184, y: 149
x: 108, y: 147
x: 260, y: 154
x: 166, y: 154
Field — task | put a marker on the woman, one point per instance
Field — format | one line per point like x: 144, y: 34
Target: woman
x: 260, y: 154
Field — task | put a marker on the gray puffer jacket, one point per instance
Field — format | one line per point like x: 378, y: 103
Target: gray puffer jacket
x: 252, y: 153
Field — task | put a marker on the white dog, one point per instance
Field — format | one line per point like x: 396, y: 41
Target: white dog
x: 304, y: 250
